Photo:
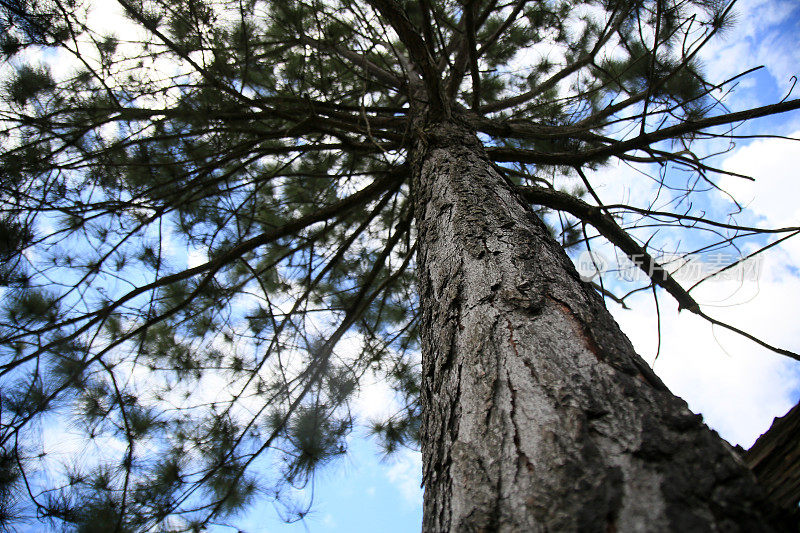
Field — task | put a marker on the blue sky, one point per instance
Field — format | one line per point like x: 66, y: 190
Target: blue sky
x: 360, y: 492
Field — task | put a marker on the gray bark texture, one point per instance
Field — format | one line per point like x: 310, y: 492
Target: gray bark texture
x: 538, y: 414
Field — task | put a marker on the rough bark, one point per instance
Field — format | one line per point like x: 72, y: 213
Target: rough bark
x: 538, y: 414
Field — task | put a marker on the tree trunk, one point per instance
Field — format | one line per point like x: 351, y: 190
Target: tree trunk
x: 537, y: 413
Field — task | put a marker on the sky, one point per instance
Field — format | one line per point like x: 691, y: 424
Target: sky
x: 736, y: 385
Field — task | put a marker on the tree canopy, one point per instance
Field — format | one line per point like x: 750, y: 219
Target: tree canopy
x: 206, y: 222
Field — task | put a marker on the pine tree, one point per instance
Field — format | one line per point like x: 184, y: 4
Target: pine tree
x: 217, y: 221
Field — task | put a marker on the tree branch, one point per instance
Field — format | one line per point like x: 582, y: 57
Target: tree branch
x: 377, y: 72
x: 417, y: 49
x: 640, y: 141
x: 609, y: 229
x: 211, y: 267
x: 551, y: 82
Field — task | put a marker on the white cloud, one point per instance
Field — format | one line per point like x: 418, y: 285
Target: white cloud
x: 762, y: 36
x: 773, y: 196
x: 196, y: 257
x: 405, y: 473
x: 737, y: 385
x: 376, y: 399
x: 775, y: 166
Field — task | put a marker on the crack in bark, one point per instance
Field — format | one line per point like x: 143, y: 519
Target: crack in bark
x: 526, y: 462
x: 581, y: 330
x: 511, y: 336
x: 496, y: 515
x: 495, y: 379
